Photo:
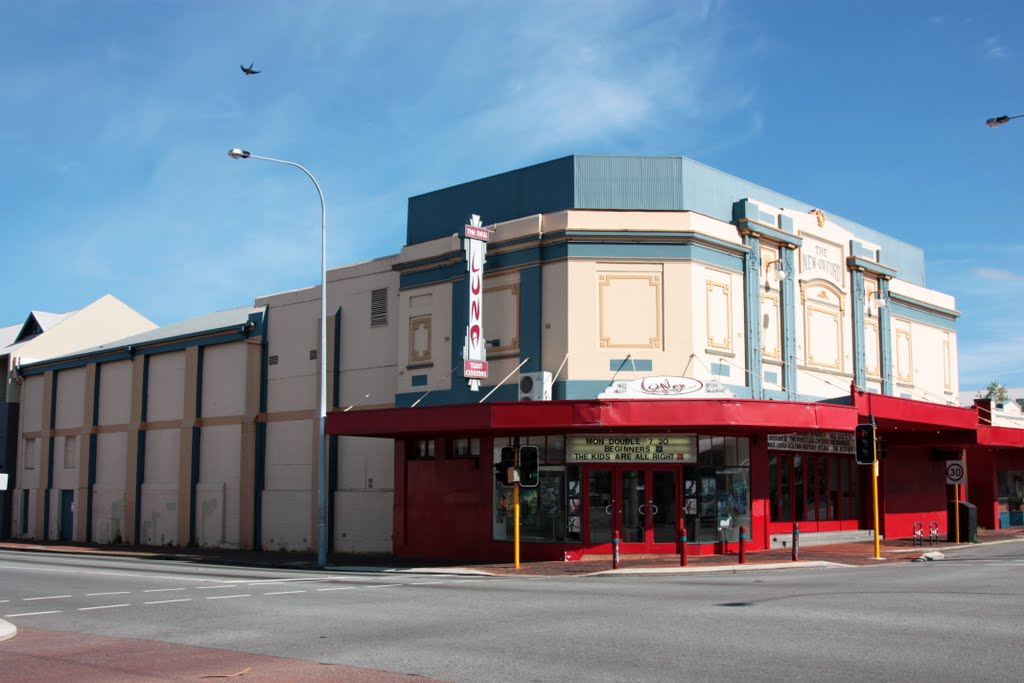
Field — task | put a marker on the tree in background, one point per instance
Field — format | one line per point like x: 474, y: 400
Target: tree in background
x: 996, y: 391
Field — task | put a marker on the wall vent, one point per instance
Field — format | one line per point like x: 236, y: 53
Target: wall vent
x: 273, y: 360
x: 312, y: 354
x: 379, y: 308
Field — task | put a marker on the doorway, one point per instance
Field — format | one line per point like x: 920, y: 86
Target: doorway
x: 67, y: 515
x: 640, y: 503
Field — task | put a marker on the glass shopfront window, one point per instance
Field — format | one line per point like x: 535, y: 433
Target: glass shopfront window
x: 812, y: 487
x: 639, y: 485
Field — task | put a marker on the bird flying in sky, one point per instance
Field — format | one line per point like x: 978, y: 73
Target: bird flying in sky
x: 248, y: 70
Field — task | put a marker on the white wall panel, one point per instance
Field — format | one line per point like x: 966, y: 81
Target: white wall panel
x: 108, y: 514
x: 218, y: 492
x: 289, y: 455
x: 71, y: 398
x: 286, y: 520
x: 223, y: 390
x: 363, y: 523
x: 166, y: 386
x: 31, y: 410
x: 159, y: 514
x: 111, y: 451
x: 115, y: 392
x: 162, y: 455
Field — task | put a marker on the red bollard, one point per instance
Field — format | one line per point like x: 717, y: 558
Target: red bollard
x: 682, y: 545
x: 743, y: 545
x: 615, y: 551
x: 796, y: 541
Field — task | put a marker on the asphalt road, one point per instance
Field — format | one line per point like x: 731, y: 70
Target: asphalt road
x: 959, y: 618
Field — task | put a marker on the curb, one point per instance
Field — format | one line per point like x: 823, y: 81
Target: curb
x: 725, y: 569
x: 7, y: 630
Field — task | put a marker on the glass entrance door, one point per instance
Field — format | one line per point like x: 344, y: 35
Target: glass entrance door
x: 641, y: 504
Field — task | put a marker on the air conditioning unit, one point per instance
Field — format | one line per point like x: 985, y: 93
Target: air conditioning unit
x: 535, y: 386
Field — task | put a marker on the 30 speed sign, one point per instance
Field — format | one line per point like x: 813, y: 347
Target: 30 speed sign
x: 956, y: 472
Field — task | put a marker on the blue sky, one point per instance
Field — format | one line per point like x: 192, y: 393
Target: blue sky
x: 116, y: 116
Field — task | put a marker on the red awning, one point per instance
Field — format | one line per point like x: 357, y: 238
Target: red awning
x: 734, y: 416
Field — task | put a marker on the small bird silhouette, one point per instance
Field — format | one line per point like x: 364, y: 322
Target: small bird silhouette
x: 248, y: 70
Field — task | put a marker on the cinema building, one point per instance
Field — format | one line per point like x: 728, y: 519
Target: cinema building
x: 687, y: 350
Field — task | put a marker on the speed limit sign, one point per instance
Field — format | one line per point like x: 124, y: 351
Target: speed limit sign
x: 956, y: 472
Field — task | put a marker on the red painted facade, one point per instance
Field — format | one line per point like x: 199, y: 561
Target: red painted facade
x: 444, y: 505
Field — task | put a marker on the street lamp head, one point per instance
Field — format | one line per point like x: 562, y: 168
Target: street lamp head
x: 238, y: 153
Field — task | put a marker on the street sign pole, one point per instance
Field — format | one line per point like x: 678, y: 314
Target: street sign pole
x: 956, y: 512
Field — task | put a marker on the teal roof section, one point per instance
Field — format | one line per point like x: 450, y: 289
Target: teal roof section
x: 621, y: 183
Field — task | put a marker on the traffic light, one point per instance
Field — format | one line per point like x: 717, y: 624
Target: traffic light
x: 504, y: 471
x: 529, y: 466
x: 864, y: 436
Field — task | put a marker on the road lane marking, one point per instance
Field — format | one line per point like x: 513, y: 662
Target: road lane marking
x: 163, y: 590
x: 154, y: 576
x: 164, y: 602
x: 228, y: 597
x: 384, y: 585
x: 86, y: 609
x: 284, y: 592
x: 339, y: 588
x: 31, y: 614
x: 96, y: 595
x: 201, y: 588
x: 48, y: 597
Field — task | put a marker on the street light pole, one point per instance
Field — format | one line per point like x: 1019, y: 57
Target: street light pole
x: 997, y: 121
x: 321, y: 492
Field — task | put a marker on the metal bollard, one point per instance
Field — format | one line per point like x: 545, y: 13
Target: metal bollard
x: 918, y: 533
x: 743, y: 545
x: 796, y: 541
x: 682, y: 546
x: 933, y: 533
x: 615, y: 551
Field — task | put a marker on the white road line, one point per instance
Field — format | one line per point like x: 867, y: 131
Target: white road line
x: 425, y: 583
x: 164, y: 602
x: 339, y: 588
x: 163, y: 590
x: 228, y: 597
x: 200, y: 588
x: 96, y: 595
x: 385, y: 585
x: 86, y: 609
x: 122, y: 574
x: 284, y: 592
x: 267, y: 582
x: 2, y: 601
x: 48, y: 597
x: 31, y: 614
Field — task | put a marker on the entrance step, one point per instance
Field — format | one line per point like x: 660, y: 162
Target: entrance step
x: 821, y: 538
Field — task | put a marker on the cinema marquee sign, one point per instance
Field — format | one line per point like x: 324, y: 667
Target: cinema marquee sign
x: 617, y: 448
x: 474, y: 351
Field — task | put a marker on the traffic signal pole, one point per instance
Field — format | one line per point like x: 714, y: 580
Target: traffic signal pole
x: 515, y: 508
x: 874, y: 487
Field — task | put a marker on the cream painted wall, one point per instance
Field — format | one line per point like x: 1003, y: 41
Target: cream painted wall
x: 223, y: 385
x: 158, y: 508
x: 218, y: 491
x: 166, y: 387
x: 424, y: 338
x: 115, y: 393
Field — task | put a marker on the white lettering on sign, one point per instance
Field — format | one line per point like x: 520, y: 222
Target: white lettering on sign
x: 823, y: 442
x: 665, y: 448
x: 474, y: 352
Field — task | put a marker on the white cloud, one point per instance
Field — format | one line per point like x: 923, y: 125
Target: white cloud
x: 995, y: 49
x: 999, y: 275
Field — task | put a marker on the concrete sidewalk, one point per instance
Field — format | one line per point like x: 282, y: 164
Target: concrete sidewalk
x: 840, y: 554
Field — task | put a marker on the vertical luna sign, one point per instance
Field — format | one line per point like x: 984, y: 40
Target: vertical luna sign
x: 474, y: 351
